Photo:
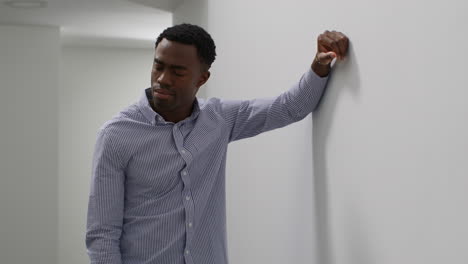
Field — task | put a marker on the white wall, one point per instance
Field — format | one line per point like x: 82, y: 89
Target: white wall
x: 390, y: 147
x: 52, y: 102
x: 29, y: 59
x: 390, y: 140
x: 194, y: 12
x: 96, y: 83
x: 269, y: 181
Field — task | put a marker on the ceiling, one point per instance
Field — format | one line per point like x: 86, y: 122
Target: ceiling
x: 132, y: 23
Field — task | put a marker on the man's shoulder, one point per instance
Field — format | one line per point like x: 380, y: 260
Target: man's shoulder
x: 220, y: 106
x: 213, y: 104
x: 212, y: 107
x: 129, y: 116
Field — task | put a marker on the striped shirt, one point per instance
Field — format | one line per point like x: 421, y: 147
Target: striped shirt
x: 158, y: 188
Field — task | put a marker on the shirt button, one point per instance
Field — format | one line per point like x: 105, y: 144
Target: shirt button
x: 187, y: 251
x: 187, y: 198
x: 184, y: 173
x: 190, y: 224
x: 183, y: 151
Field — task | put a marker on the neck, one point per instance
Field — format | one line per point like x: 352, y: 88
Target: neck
x: 173, y: 116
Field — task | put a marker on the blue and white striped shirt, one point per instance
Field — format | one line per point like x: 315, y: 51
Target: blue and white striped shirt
x: 158, y: 188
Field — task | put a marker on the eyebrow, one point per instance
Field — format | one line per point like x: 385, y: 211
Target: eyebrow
x: 170, y: 66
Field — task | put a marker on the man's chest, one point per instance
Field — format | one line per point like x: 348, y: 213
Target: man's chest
x: 170, y: 156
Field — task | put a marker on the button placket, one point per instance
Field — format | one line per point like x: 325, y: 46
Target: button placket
x: 189, y: 215
x: 186, y: 193
x: 187, y: 256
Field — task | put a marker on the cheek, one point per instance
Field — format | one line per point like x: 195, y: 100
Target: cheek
x: 153, y: 77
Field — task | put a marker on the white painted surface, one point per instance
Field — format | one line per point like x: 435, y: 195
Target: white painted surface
x: 96, y: 83
x: 112, y: 23
x: 29, y: 60
x: 390, y: 145
x: 389, y: 139
x: 45, y: 187
x: 168, y: 5
x: 269, y: 181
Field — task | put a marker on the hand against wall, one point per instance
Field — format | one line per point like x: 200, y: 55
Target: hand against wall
x: 330, y: 45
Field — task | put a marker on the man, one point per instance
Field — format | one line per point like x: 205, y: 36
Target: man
x: 158, y: 187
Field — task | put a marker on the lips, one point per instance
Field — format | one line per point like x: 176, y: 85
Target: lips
x: 162, y: 93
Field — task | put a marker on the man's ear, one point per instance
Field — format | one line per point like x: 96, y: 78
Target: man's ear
x: 203, y: 78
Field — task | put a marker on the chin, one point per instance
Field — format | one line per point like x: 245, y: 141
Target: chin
x: 163, y: 104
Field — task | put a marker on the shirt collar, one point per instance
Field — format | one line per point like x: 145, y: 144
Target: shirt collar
x: 155, y: 118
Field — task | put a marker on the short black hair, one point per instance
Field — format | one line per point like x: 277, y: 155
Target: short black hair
x: 192, y: 35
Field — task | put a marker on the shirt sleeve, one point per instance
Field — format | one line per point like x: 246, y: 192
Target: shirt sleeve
x: 106, y: 204
x: 248, y: 118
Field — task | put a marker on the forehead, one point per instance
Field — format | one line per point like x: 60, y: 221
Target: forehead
x: 175, y: 53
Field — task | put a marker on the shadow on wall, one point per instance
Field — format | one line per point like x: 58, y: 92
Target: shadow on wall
x: 345, y: 78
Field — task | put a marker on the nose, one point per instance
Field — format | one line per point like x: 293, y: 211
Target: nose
x: 164, y: 79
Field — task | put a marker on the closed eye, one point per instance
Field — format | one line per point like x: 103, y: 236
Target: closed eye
x: 179, y: 72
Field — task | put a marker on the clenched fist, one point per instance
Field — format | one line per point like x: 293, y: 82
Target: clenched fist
x: 330, y: 45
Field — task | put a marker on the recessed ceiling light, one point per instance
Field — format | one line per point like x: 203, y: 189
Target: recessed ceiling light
x: 26, y: 4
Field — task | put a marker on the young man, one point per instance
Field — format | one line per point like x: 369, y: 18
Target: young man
x: 158, y: 186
